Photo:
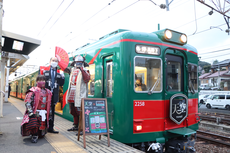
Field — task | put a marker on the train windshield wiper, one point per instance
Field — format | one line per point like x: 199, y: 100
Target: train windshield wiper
x: 155, y: 84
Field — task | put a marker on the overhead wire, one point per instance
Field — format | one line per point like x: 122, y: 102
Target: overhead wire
x: 215, y: 51
x: 195, y: 16
x: 113, y: 15
x: 108, y: 18
x: 51, y: 17
x: 89, y: 18
x: 58, y: 18
x: 215, y: 56
x: 102, y: 21
x: 206, y: 30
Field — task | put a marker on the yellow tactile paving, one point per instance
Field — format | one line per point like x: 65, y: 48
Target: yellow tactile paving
x: 60, y: 143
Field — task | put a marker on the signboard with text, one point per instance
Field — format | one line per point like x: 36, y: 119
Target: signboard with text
x: 94, y: 118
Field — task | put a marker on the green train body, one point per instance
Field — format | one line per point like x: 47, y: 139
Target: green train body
x: 133, y: 71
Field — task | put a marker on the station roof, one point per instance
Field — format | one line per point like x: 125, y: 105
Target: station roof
x: 17, y: 48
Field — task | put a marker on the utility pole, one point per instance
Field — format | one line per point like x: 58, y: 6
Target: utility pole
x: 1, y: 100
x: 218, y: 76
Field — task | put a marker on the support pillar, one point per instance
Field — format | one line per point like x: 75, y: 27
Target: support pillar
x: 7, y: 80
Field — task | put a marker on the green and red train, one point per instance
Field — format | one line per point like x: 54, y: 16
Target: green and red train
x: 150, y: 81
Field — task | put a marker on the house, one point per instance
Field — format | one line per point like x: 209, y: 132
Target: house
x: 220, y: 72
x: 204, y: 78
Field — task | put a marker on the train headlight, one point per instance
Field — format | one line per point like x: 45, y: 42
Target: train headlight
x: 183, y: 38
x: 172, y: 36
x: 168, y: 34
x: 138, y: 127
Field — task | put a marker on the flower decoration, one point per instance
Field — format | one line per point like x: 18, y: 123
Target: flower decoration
x: 87, y: 129
x: 87, y: 112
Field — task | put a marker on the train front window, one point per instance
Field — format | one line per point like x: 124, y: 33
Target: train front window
x: 174, y: 73
x: 147, y: 74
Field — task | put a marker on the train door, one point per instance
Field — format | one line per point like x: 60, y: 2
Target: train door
x: 174, y: 82
x: 108, y: 84
x: 175, y: 88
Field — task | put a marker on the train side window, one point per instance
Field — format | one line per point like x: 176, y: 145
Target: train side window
x: 147, y: 74
x: 192, y: 71
x: 91, y: 83
x: 109, y: 79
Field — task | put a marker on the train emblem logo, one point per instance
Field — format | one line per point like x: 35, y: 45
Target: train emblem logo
x: 178, y: 108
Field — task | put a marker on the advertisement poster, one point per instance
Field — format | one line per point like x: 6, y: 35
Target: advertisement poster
x: 95, y: 116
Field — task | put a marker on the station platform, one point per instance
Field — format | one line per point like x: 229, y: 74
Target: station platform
x: 11, y: 140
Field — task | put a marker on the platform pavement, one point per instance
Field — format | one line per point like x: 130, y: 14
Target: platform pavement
x: 11, y: 140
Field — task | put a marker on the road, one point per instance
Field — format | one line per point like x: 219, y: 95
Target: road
x: 217, y: 110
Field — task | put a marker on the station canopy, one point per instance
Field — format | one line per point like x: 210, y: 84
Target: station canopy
x: 17, y: 48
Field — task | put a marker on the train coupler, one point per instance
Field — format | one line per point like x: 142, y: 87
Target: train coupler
x: 156, y: 147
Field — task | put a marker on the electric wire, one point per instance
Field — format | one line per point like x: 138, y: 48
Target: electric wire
x: 51, y: 17
x: 215, y: 56
x: 89, y: 19
x: 206, y: 30
x: 102, y: 21
x: 195, y: 16
x: 113, y: 15
x: 216, y: 51
x: 58, y: 18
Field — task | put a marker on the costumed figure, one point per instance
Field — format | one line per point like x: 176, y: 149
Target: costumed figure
x: 77, y: 89
x: 54, y: 79
x: 37, y: 102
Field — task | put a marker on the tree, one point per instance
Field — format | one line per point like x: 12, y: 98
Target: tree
x: 215, y: 62
x: 207, y: 68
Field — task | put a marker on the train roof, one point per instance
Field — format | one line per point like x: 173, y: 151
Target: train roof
x: 125, y: 34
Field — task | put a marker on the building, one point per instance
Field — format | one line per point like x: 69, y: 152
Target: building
x: 219, y: 75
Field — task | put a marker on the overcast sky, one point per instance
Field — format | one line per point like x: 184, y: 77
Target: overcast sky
x: 70, y: 24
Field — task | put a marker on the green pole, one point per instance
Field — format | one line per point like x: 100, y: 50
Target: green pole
x: 158, y: 26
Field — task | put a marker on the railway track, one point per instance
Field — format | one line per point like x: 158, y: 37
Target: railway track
x: 222, y: 115
x: 214, y: 138
x: 216, y: 119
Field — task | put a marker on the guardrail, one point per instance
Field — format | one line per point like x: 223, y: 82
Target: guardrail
x: 212, y: 92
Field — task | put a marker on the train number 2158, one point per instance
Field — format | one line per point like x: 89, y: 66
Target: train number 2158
x: 140, y: 103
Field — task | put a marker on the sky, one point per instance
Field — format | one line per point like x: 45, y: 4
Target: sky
x: 70, y: 24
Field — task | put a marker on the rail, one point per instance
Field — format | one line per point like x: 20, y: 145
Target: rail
x: 214, y: 138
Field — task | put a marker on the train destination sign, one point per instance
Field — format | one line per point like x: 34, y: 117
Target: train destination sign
x: 178, y: 108
x: 94, y: 118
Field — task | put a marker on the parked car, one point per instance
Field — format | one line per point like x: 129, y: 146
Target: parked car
x: 215, y: 88
x: 203, y: 98
x: 219, y: 101
x: 204, y: 87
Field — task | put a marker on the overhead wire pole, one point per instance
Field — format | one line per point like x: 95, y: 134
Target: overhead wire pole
x: 226, y: 18
x: 2, y: 81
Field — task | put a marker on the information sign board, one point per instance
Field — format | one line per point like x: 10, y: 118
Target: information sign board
x: 94, y: 118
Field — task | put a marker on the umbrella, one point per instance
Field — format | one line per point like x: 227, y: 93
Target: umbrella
x: 62, y: 57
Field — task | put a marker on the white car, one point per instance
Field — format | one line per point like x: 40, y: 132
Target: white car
x: 204, y: 87
x: 202, y: 98
x: 219, y: 101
